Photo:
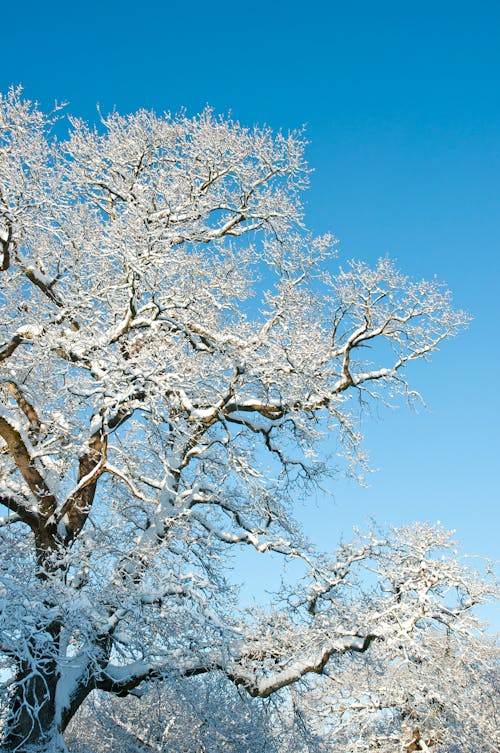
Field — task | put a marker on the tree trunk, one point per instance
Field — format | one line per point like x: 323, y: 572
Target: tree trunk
x: 31, y: 721
x: 38, y: 715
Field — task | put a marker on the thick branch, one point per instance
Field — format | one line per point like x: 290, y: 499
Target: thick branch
x: 5, y: 241
x: 21, y: 512
x: 122, y: 680
x: 25, y: 464
x: 92, y: 464
x: 27, y: 408
x: 8, y: 348
x: 37, y: 278
x: 266, y: 686
x: 76, y: 508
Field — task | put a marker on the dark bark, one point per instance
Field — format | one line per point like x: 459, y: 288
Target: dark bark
x: 32, y: 713
x: 33, y: 721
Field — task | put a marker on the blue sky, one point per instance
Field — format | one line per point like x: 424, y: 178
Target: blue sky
x: 402, y: 107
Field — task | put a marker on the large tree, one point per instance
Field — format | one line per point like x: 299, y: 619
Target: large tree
x: 173, y: 347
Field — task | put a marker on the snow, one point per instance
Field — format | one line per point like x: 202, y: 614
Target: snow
x: 68, y: 684
x: 39, y: 276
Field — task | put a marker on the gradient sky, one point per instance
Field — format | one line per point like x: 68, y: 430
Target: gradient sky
x: 402, y: 107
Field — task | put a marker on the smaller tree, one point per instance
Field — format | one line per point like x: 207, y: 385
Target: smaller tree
x: 442, y: 696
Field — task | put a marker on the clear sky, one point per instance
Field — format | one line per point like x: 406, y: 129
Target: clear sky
x: 402, y: 106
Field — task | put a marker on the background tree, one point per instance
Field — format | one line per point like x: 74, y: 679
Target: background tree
x: 173, y: 346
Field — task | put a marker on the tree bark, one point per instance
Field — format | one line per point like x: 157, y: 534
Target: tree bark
x: 31, y: 721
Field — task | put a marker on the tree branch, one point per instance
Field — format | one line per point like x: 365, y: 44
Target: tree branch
x: 21, y: 512
x: 266, y: 686
x: 27, y: 408
x: 25, y: 464
x: 74, y: 512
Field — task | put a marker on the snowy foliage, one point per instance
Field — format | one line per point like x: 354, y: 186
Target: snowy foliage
x: 439, y: 694
x: 173, y: 347
x: 183, y: 716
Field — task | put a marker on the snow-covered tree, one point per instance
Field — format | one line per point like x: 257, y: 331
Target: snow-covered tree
x: 173, y: 347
